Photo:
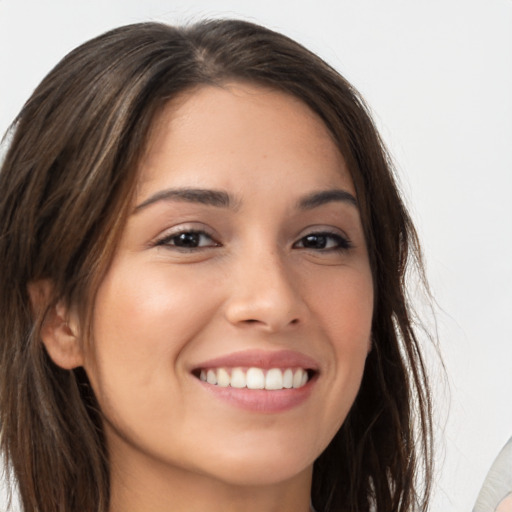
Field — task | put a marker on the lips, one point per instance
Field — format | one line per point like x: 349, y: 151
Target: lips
x: 260, y: 381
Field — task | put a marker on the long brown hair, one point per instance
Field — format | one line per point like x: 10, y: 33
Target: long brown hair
x: 66, y: 185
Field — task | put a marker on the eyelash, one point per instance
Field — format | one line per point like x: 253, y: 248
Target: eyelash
x: 341, y: 243
x: 167, y: 240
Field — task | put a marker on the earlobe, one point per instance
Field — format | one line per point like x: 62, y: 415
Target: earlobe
x: 59, y: 329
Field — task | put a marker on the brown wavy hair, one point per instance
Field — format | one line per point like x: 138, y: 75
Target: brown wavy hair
x: 67, y: 184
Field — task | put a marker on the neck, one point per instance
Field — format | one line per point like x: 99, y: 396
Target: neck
x: 146, y: 487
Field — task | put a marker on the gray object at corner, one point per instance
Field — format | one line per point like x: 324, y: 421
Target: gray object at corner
x: 496, y: 492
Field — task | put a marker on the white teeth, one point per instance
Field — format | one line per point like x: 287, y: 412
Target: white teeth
x: 238, y: 379
x: 223, y: 379
x: 256, y: 378
x: 211, y: 377
x: 274, y: 379
x: 288, y: 379
x: 297, y: 378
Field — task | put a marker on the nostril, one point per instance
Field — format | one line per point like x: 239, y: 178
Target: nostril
x: 251, y: 321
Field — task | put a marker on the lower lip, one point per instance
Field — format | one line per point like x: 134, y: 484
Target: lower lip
x: 261, y: 400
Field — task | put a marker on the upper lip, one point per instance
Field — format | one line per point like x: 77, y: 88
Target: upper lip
x: 261, y: 359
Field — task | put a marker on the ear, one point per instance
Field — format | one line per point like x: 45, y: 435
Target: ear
x: 60, y: 329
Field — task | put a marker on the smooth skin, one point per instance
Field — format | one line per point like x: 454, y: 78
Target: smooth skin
x: 268, y: 261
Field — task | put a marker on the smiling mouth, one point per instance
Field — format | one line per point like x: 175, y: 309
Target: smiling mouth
x: 256, y: 378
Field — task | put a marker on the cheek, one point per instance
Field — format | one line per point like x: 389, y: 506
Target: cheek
x: 146, y: 310
x: 345, y: 310
x: 142, y: 321
x: 344, y: 305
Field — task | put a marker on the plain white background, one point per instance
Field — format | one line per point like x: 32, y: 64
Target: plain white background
x: 438, y: 76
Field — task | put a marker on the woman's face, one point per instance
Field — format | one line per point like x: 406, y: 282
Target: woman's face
x: 242, y: 266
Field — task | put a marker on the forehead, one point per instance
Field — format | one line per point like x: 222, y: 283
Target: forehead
x: 219, y: 134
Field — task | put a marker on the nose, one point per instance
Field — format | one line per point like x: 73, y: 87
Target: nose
x: 265, y: 294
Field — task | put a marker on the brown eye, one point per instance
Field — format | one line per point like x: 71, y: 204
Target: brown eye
x: 188, y: 240
x: 323, y: 241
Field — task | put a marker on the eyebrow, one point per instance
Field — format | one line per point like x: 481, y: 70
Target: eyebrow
x: 222, y: 199
x: 209, y: 197
x: 322, y: 197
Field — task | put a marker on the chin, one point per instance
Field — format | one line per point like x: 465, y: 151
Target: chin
x: 258, y: 470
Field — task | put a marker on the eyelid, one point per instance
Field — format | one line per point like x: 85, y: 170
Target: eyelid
x: 336, y: 233
x: 163, y: 239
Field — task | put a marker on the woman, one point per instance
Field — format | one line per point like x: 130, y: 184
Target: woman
x: 203, y: 254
